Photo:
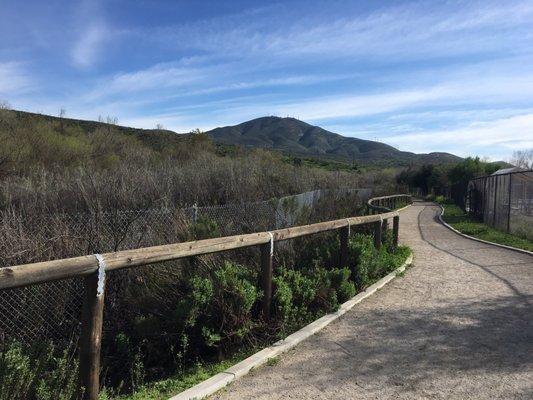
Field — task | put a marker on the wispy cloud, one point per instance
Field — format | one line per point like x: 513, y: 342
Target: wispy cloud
x: 187, y: 81
x: 13, y: 79
x: 473, y: 91
x: 368, y: 69
x: 88, y: 47
x: 159, y: 77
x: 494, y: 137
x: 409, y: 31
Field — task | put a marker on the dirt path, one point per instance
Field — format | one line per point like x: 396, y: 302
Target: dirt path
x: 457, y: 325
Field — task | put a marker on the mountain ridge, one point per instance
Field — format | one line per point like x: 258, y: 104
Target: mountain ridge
x: 298, y: 138
x: 289, y: 136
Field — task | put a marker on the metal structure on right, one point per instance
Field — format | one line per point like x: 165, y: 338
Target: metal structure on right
x: 503, y: 201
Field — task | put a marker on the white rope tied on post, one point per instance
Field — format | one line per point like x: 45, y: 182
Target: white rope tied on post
x: 101, y: 275
x: 195, y: 213
x: 271, y: 243
x: 349, y: 227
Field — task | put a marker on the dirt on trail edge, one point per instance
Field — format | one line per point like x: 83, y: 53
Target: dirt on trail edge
x: 457, y: 325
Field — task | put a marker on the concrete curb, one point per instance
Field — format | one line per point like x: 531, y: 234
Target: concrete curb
x: 219, y: 381
x: 477, y: 239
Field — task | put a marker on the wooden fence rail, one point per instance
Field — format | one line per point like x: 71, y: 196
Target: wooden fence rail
x: 92, y: 268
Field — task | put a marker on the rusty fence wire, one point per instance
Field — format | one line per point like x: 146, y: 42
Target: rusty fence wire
x: 504, y: 201
x: 52, y: 311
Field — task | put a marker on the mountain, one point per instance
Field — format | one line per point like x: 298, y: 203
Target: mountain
x: 287, y: 135
x: 298, y: 138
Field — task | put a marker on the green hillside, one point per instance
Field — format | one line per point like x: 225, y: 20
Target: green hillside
x: 297, y: 138
x: 73, y: 138
x: 156, y: 139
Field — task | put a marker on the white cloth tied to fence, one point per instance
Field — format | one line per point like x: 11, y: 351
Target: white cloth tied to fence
x: 101, y: 275
x: 271, y: 243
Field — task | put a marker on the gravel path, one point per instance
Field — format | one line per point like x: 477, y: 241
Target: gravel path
x: 458, y: 325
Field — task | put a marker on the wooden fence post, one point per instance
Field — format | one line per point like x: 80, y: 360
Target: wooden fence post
x: 496, y: 179
x: 343, y: 251
x: 266, y: 278
x: 91, y: 337
x: 377, y: 234
x: 385, y: 227
x: 510, y: 200
x: 395, y: 230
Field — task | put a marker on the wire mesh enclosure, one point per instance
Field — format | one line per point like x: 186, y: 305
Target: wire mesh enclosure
x: 203, y: 296
x: 144, y: 306
x: 51, y: 311
x: 504, y: 202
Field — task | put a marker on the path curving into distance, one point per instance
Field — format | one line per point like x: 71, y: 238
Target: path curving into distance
x: 458, y: 325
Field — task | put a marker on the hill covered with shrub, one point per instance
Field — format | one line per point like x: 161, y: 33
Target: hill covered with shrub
x: 52, y: 164
x: 298, y: 138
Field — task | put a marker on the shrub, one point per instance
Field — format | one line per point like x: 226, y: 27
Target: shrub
x: 294, y: 292
x: 217, y: 309
x: 39, y: 372
x: 302, y: 295
x: 440, y: 199
x: 204, y: 312
x: 205, y: 228
x: 361, y: 253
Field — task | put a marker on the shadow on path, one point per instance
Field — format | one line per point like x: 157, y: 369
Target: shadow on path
x: 485, y: 337
x: 454, y: 253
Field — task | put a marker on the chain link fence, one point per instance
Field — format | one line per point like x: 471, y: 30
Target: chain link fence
x: 504, y: 201
x: 52, y: 311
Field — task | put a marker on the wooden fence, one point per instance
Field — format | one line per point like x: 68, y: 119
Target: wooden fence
x: 93, y: 268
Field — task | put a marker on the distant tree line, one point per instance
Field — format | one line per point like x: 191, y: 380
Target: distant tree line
x: 450, y: 181
x: 523, y: 158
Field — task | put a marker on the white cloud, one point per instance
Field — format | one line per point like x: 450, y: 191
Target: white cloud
x: 189, y: 76
x: 471, y: 91
x: 358, y: 106
x: 416, y: 69
x: 237, y: 110
x: 270, y: 82
x: 13, y: 78
x: 88, y: 47
x: 498, y: 137
x: 159, y: 76
x: 404, y: 32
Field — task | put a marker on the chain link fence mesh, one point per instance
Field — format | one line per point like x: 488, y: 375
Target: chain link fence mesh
x: 504, y: 202
x: 52, y: 311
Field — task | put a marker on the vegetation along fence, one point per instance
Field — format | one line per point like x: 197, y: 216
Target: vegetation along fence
x: 503, y: 201
x: 96, y: 270
x: 51, y: 311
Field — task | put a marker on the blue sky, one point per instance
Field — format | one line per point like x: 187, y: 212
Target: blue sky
x: 423, y: 76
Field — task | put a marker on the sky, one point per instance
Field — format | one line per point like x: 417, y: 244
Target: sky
x: 423, y: 76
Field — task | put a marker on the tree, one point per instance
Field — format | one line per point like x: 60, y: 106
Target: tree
x: 159, y: 127
x: 62, y: 113
x: 461, y: 174
x: 523, y: 158
x: 4, y: 105
x: 111, y: 120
